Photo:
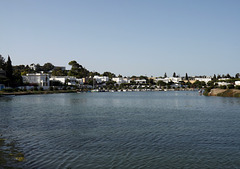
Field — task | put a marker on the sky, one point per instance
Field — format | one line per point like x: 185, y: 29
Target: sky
x: 127, y: 37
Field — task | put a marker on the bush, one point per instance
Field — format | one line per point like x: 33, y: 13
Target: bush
x: 15, y: 89
x: 237, y: 87
x: 35, y: 88
x: 51, y: 88
x: 8, y: 90
x: 230, y: 86
x: 223, y: 87
x: 207, y: 90
x: 41, y: 89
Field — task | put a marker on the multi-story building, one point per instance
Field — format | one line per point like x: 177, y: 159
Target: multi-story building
x: 40, y: 79
x: 101, y: 79
x: 120, y: 80
x: 69, y: 80
x: 205, y: 79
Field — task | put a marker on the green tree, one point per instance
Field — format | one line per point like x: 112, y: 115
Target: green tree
x: 9, y: 69
x: 47, y: 67
x: 161, y: 83
x: 59, y: 72
x: 186, y: 77
x: 214, y: 77
x: 109, y: 74
x: 165, y: 75
x: 2, y: 62
x: 237, y: 76
x: 77, y: 70
x: 38, y: 68
x: 228, y: 76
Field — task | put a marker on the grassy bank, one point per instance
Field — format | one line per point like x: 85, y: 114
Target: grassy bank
x: 223, y: 92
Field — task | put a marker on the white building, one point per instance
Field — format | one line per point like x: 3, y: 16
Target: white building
x: 237, y: 83
x: 120, y: 80
x: 141, y: 81
x: 101, y: 79
x: 206, y: 79
x: 223, y: 83
x: 169, y: 79
x: 40, y: 79
x: 33, y: 66
x: 69, y: 80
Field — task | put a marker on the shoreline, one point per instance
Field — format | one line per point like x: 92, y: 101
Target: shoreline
x: 19, y: 93
x: 224, y: 92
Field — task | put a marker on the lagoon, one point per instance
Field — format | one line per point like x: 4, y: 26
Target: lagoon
x: 120, y: 130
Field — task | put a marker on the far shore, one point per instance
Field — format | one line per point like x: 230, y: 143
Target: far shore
x: 213, y: 92
x: 30, y: 92
x: 224, y: 92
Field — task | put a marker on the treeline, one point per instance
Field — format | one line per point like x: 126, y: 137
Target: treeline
x: 10, y: 77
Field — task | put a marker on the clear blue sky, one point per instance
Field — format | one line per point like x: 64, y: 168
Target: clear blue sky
x: 128, y: 37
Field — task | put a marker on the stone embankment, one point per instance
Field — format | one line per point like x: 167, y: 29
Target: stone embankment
x: 224, y: 92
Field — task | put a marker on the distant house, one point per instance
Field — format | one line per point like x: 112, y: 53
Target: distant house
x: 169, y: 79
x: 101, y: 79
x: 223, y: 83
x: 223, y: 78
x: 120, y: 80
x: 206, y: 79
x: 141, y: 81
x: 40, y: 79
x: 33, y: 66
x: 237, y: 83
x: 69, y: 80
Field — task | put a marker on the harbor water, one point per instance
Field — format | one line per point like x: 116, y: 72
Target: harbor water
x: 120, y: 130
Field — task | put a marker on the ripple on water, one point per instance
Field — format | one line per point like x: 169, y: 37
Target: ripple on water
x: 124, y: 130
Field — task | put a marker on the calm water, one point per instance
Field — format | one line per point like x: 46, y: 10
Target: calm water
x: 120, y: 130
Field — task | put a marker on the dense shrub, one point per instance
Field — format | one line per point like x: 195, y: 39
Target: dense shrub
x: 223, y: 87
x: 230, y: 86
x: 206, y: 91
x: 237, y: 87
x: 8, y: 90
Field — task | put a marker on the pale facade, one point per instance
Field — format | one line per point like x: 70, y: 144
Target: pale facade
x: 69, y: 80
x: 141, y: 81
x: 41, y: 79
x: 223, y: 83
x: 169, y: 79
x: 206, y: 80
x: 120, y: 80
x: 101, y: 79
x: 237, y: 83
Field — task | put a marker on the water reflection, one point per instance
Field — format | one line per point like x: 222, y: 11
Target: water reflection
x: 6, y: 98
x: 120, y: 130
x: 10, y: 155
